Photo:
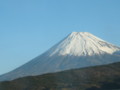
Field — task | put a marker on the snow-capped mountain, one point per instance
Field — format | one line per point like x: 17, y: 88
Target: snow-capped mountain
x: 82, y: 44
x: 77, y: 50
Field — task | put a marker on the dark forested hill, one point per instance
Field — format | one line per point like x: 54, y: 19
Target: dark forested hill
x: 105, y: 77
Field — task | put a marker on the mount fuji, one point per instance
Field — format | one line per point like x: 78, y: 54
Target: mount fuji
x: 77, y: 50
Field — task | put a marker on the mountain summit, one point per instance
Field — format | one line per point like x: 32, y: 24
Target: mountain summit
x: 77, y: 50
x: 82, y: 44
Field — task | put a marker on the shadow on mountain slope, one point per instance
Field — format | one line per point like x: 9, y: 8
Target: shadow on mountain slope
x: 114, y: 85
x: 105, y: 77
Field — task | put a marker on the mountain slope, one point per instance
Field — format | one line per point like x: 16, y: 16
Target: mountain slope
x: 105, y: 77
x: 82, y: 44
x: 77, y: 50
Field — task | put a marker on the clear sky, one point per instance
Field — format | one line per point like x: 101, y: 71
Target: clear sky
x: 30, y: 27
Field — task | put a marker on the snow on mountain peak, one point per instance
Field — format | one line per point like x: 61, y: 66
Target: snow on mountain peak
x: 77, y: 50
x: 82, y: 44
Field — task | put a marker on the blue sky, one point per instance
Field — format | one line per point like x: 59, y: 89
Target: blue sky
x: 30, y: 27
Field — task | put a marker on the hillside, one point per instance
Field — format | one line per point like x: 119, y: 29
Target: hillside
x: 77, y: 50
x: 91, y: 78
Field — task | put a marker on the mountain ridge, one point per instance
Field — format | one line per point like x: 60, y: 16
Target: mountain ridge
x: 77, y: 50
x: 82, y: 44
x: 103, y: 77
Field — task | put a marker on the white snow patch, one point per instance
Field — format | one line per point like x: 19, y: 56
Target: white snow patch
x: 82, y: 44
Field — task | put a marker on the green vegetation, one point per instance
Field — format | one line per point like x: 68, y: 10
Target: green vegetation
x: 105, y: 77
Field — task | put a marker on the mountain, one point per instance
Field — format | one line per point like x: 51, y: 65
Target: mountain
x: 77, y: 50
x: 105, y: 77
